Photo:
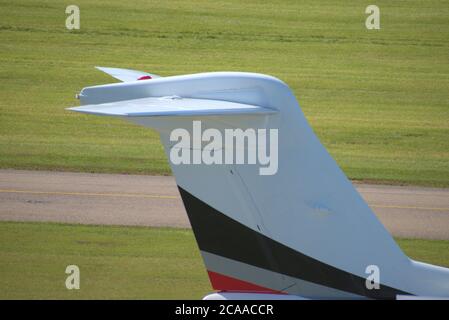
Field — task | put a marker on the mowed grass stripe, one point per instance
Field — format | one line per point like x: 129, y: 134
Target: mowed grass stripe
x: 115, y: 262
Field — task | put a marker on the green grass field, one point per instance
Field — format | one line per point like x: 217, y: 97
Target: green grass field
x: 114, y: 262
x: 377, y: 99
x: 120, y: 262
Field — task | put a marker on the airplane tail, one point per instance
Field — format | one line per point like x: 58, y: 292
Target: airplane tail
x: 295, y: 227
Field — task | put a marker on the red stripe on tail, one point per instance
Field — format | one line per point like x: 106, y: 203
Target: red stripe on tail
x: 226, y: 283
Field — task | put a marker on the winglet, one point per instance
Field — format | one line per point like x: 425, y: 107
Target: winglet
x: 127, y: 75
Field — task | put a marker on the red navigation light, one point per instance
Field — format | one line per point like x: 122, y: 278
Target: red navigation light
x: 144, y: 78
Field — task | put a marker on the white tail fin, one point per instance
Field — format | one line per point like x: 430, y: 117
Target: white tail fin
x: 304, y: 230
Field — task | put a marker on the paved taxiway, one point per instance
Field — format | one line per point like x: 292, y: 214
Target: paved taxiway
x: 113, y: 199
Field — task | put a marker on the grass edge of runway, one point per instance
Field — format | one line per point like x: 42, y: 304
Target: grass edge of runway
x: 118, y: 262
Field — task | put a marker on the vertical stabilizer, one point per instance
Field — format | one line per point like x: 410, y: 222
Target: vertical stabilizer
x: 303, y: 230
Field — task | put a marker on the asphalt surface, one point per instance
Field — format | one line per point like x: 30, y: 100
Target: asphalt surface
x: 112, y: 199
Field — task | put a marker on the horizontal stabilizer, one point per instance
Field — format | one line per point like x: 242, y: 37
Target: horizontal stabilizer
x: 170, y: 106
x: 127, y: 75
